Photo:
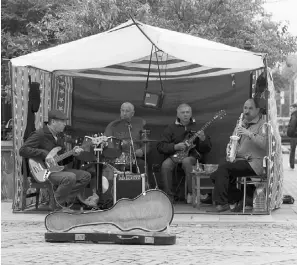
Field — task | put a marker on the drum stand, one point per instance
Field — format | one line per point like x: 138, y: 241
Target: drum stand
x: 98, y: 175
x: 133, y: 149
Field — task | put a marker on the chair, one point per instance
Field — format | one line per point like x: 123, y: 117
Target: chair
x: 29, y: 182
x: 258, y: 181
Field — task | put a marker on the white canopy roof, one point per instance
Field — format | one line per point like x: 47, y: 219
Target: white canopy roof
x: 124, y: 52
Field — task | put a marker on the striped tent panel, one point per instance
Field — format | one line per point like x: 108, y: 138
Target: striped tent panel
x: 276, y: 171
x: 20, y: 105
x: 62, y: 87
x: 164, y: 65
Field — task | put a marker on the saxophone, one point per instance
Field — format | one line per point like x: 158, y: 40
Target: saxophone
x: 233, y: 143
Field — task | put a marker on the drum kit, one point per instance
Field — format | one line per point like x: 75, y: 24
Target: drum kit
x: 109, y: 157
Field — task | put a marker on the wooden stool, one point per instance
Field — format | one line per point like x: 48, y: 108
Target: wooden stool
x: 196, y: 187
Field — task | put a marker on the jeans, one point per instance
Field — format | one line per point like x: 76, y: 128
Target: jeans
x: 167, y: 171
x: 293, y: 143
x: 224, y: 179
x: 70, y: 182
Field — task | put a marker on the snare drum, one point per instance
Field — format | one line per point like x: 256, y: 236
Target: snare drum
x: 113, y: 147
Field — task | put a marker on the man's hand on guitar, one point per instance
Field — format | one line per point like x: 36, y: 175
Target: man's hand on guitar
x: 180, y: 146
x: 50, y: 159
x: 77, y: 150
x: 201, y: 135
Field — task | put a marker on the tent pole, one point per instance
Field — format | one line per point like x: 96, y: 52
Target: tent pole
x: 144, y: 33
x: 149, y: 69
x: 162, y: 90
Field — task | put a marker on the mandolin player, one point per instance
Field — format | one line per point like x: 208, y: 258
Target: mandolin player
x: 173, y: 140
x: 68, y: 183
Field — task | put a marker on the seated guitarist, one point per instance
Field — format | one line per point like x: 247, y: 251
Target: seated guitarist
x: 173, y: 141
x: 69, y: 182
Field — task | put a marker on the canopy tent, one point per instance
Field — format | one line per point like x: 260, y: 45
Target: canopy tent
x: 123, y: 53
x: 89, y: 78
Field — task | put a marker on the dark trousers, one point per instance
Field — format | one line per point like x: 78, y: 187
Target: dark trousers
x: 293, y: 143
x: 70, y: 182
x: 224, y: 179
x: 168, y: 167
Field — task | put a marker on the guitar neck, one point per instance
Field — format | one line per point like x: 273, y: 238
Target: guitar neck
x: 65, y: 155
x: 192, y: 139
x: 69, y: 153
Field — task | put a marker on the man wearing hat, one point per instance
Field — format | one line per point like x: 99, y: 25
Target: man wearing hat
x: 69, y: 182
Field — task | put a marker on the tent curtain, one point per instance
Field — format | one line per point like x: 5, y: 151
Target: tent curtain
x: 20, y: 87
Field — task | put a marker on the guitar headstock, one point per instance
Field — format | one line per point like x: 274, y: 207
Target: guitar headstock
x: 219, y: 115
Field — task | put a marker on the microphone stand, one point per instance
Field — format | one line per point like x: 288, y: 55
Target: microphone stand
x: 133, y: 149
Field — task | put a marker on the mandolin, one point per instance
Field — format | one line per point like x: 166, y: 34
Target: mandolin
x: 180, y: 155
x: 151, y: 211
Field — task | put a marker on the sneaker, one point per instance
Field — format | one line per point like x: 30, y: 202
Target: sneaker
x: 189, y: 198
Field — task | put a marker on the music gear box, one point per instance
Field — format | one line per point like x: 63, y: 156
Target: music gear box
x: 127, y: 185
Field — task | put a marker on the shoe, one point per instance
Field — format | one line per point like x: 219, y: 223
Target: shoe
x: 220, y: 208
x: 92, y: 200
x: 238, y: 207
x: 63, y: 209
x: 206, y: 199
x: 189, y: 198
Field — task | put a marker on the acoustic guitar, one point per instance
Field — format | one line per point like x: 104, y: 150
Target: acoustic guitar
x: 151, y: 211
x: 180, y: 155
x: 41, y: 170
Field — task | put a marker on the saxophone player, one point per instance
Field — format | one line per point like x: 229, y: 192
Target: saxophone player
x: 250, y: 151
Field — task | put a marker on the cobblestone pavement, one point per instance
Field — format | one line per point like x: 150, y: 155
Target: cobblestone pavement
x: 201, y: 239
x: 222, y: 243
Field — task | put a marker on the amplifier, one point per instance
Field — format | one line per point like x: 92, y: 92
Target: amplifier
x: 128, y: 185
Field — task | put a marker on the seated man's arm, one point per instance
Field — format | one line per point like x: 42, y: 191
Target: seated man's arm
x: 260, y: 138
x: 31, y: 148
x: 109, y: 129
x: 166, y: 145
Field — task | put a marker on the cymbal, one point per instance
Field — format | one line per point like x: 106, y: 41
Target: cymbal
x: 145, y: 141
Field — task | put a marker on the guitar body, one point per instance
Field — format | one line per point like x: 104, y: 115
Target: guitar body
x: 180, y: 155
x: 41, y: 170
x: 151, y: 211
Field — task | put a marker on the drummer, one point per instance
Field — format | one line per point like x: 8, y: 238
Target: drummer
x: 119, y: 129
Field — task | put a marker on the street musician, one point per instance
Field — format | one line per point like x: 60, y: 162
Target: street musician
x: 247, y: 160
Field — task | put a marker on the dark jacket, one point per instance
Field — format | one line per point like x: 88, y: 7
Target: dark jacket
x: 176, y: 133
x: 40, y: 143
x: 292, y: 127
